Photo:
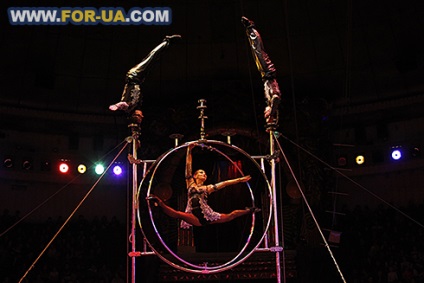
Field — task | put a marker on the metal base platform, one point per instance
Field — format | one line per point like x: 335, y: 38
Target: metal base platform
x: 259, y: 267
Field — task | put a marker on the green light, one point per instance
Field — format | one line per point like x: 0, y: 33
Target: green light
x: 99, y: 169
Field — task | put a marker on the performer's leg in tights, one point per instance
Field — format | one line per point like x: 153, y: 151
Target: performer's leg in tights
x: 226, y: 217
x: 187, y: 217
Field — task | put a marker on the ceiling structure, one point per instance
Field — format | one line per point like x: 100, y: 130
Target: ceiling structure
x: 338, y: 62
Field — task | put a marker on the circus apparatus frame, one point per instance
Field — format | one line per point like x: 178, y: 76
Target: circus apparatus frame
x: 131, y: 103
x: 149, y: 170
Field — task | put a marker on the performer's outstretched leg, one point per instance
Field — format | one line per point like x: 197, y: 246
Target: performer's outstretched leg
x: 193, y: 220
x: 187, y: 217
x: 226, y: 217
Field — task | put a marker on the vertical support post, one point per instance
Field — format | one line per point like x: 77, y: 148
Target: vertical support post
x: 266, y: 240
x: 277, y: 247
x: 134, y: 206
x: 135, y: 121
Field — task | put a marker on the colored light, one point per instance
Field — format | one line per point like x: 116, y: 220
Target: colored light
x: 360, y: 159
x: 99, y: 169
x: 396, y: 154
x: 27, y: 165
x: 117, y: 170
x: 8, y: 162
x: 81, y: 168
x: 63, y: 167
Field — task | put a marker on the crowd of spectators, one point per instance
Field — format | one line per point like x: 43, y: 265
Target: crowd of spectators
x: 384, y: 244
x: 84, y: 251
x: 380, y: 245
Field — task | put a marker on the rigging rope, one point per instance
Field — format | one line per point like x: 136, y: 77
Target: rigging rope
x: 71, y: 215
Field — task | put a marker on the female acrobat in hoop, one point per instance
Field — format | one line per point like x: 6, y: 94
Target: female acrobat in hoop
x: 198, y: 212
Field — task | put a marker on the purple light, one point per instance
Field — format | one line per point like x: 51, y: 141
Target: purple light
x: 396, y: 154
x: 117, y: 170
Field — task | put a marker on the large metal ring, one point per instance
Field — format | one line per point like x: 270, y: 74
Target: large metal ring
x: 152, y: 233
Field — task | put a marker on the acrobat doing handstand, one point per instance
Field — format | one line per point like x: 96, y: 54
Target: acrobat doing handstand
x: 267, y: 70
x: 198, y: 212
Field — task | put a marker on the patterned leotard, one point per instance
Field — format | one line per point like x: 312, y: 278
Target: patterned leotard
x: 197, y: 205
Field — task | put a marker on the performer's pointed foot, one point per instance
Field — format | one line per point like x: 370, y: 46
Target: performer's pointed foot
x: 151, y: 197
x: 154, y: 198
x: 172, y: 38
x: 253, y: 209
x: 247, y: 23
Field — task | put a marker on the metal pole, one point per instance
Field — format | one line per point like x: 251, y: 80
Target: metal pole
x: 277, y: 247
x: 136, y: 119
x: 134, y: 207
x: 266, y: 240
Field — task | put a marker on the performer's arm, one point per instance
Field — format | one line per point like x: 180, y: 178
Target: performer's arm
x: 223, y: 184
x: 188, y: 169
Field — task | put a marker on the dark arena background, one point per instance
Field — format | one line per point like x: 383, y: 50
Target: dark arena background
x: 338, y: 174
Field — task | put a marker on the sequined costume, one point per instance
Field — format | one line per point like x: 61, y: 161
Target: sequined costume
x: 197, y: 205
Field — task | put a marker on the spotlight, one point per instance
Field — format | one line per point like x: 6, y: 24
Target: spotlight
x: 360, y: 159
x: 99, y: 169
x: 8, y: 162
x: 82, y: 168
x: 27, y: 165
x: 117, y: 170
x: 63, y: 167
x: 396, y: 153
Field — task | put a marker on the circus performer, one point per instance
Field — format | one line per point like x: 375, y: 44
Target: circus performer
x: 198, y: 212
x: 131, y: 97
x: 267, y: 70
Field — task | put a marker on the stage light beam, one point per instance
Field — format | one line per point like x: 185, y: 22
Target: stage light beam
x: 63, y: 167
x: 117, y: 170
x: 360, y: 159
x: 396, y: 154
x: 99, y: 169
x: 82, y: 168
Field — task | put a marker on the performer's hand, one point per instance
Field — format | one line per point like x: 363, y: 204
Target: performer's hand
x: 267, y: 112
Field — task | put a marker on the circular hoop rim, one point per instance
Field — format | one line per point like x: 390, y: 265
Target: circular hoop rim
x: 235, y: 260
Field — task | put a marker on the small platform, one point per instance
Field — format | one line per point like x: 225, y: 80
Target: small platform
x: 260, y: 266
